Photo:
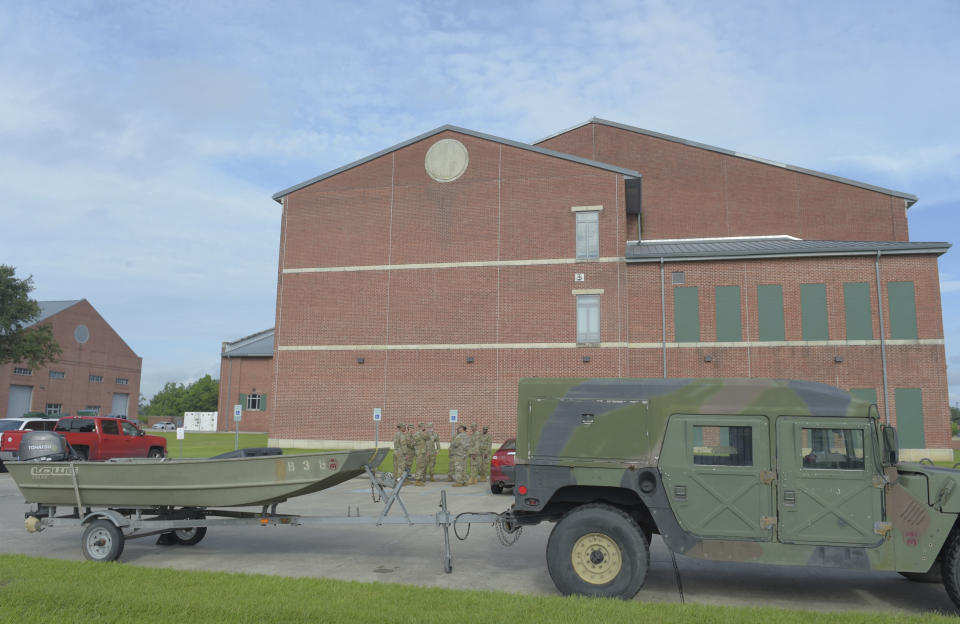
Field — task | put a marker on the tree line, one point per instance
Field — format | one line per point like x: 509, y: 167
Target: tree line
x: 175, y: 398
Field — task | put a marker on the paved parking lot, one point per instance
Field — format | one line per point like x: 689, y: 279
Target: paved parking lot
x: 405, y: 554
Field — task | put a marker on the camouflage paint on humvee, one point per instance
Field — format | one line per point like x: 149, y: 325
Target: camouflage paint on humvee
x: 755, y: 470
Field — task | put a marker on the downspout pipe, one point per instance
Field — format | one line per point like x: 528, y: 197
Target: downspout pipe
x: 663, y: 320
x: 883, y: 345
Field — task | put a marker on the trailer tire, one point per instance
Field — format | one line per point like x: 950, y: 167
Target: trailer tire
x: 598, y: 550
x: 189, y: 537
x: 950, y: 555
x: 102, y: 541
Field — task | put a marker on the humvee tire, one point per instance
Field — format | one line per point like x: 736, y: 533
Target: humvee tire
x: 598, y: 550
x: 951, y: 567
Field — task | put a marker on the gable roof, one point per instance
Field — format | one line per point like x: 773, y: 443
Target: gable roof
x: 681, y: 250
x: 911, y: 199
x: 487, y: 137
x: 49, y: 308
x: 259, y: 344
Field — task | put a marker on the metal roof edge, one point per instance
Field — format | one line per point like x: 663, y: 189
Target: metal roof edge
x: 233, y: 345
x: 480, y: 135
x: 911, y: 199
x: 938, y: 248
x: 44, y: 315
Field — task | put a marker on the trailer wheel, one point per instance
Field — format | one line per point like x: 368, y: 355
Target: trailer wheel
x: 189, y: 537
x: 598, y: 550
x: 102, y: 541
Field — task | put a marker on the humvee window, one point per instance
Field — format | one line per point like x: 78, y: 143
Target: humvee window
x: 832, y: 449
x: 722, y: 446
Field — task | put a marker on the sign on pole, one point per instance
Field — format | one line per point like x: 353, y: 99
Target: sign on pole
x: 454, y: 414
x: 377, y: 414
x: 237, y: 412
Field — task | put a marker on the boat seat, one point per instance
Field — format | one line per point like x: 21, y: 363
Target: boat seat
x: 262, y: 451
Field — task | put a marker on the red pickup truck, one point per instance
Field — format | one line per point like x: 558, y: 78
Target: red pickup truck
x: 96, y: 438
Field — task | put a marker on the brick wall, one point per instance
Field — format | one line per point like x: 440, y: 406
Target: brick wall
x: 691, y: 192
x: 245, y: 375
x: 416, y: 326
x: 104, y: 354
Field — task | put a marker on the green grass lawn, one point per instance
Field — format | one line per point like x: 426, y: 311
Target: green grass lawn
x: 44, y: 591
x: 210, y: 444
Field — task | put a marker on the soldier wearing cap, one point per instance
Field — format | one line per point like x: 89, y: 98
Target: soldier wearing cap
x: 399, y: 449
x: 474, y: 453
x: 433, y: 445
x: 420, y: 441
x: 459, y: 447
x: 486, y: 450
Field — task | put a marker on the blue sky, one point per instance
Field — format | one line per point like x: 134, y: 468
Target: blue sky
x: 140, y: 142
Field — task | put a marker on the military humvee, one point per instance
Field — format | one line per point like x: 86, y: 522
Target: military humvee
x: 753, y: 470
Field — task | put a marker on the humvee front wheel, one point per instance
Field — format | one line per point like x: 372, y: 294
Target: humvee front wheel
x: 950, y: 555
x: 598, y: 550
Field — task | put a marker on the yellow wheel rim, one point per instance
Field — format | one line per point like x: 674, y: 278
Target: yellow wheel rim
x: 596, y: 558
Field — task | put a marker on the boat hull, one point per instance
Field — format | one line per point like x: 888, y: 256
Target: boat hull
x: 235, y: 482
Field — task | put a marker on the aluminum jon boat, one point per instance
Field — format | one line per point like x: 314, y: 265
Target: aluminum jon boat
x: 216, y: 482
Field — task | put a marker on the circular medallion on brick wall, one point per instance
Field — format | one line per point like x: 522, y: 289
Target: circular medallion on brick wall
x: 446, y: 160
x: 81, y: 334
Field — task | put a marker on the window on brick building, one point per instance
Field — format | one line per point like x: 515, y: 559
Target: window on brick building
x: 54, y: 409
x: 93, y: 408
x: 19, y: 370
x: 903, y: 310
x: 588, y: 319
x: 856, y: 310
x: 254, y: 402
x: 813, y: 312
x: 686, y: 314
x: 121, y: 381
x: 588, y: 234
x: 58, y: 374
x: 96, y: 378
x: 728, y: 314
x: 770, y: 312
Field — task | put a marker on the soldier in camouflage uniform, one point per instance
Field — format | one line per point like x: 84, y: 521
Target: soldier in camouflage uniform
x: 433, y: 445
x: 459, y: 447
x: 474, y: 453
x: 409, y: 452
x: 420, y: 442
x: 486, y: 444
x: 399, y: 458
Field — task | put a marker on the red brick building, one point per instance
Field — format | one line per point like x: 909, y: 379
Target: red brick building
x: 246, y: 377
x: 433, y: 275
x: 96, y: 371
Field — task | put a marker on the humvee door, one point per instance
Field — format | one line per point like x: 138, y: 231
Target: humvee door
x: 828, y: 493
x: 716, y: 472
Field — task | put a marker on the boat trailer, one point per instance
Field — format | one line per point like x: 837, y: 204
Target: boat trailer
x: 105, y: 530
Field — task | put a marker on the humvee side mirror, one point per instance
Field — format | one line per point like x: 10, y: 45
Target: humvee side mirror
x: 891, y: 445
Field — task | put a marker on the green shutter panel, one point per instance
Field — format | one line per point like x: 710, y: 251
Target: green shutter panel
x: 856, y: 306
x: 263, y: 402
x: 770, y: 312
x: 728, y: 314
x: 903, y: 311
x: 909, y: 402
x: 243, y: 402
x: 686, y: 314
x: 813, y: 311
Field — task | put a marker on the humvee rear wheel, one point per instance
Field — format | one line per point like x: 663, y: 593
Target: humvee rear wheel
x: 598, y: 550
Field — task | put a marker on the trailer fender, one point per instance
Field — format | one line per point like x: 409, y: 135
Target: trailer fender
x: 118, y: 519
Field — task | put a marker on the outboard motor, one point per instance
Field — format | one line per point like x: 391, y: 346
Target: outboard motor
x: 45, y: 446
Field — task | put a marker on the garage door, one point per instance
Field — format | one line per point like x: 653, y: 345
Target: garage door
x: 19, y: 402
x: 119, y: 406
